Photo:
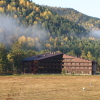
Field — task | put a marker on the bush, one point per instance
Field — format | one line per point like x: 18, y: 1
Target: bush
x: 63, y: 71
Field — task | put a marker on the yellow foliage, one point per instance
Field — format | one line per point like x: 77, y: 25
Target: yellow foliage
x: 46, y: 17
x: 49, y: 13
x: 30, y: 44
x: 62, y: 43
x: 13, y: 3
x: 43, y: 24
x: 35, y: 22
x: 31, y: 7
x: 29, y: 39
x: 37, y: 18
x: 9, y: 57
x: 9, y: 7
x: 27, y: 3
x: 91, y: 38
x: 30, y: 21
x: 41, y: 14
x: 22, y: 39
x: 23, y: 10
x: 27, y: 17
x: 37, y: 9
x: 18, y: 8
x: 22, y: 2
x: 45, y: 13
x: 36, y: 39
x: 1, y: 9
x: 14, y: 8
x: 32, y: 13
x: 66, y: 38
x: 48, y: 45
x: 51, y: 39
x: 15, y: 16
x: 2, y: 3
x: 89, y: 55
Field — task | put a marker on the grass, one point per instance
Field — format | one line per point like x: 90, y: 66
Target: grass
x: 49, y: 87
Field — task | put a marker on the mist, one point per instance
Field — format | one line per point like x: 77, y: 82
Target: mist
x: 95, y: 34
x: 11, y: 30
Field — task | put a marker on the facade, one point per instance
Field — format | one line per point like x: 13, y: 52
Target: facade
x: 45, y: 63
x: 78, y: 65
x: 55, y: 62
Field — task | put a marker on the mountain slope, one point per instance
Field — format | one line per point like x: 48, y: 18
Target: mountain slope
x: 88, y: 22
x: 32, y: 14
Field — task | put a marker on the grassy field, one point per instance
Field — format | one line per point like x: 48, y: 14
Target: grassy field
x: 49, y: 87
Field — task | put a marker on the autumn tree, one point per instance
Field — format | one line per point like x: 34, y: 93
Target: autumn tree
x: 16, y: 54
x: 3, y: 59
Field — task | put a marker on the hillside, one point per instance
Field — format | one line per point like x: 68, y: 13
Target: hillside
x: 88, y: 22
x: 28, y: 29
x: 32, y: 14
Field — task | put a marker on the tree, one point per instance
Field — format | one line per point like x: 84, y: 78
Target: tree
x: 89, y: 56
x: 71, y: 53
x: 83, y: 55
x: 17, y: 54
x: 3, y: 58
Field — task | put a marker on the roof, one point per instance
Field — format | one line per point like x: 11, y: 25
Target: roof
x: 42, y: 56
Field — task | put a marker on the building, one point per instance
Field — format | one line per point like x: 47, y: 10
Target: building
x: 44, y: 63
x: 77, y: 65
x: 56, y: 62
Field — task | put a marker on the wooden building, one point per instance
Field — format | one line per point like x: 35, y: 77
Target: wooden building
x: 45, y: 63
x: 77, y: 65
x: 55, y: 62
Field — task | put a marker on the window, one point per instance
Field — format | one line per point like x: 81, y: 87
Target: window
x: 77, y: 63
x: 72, y: 59
x: 85, y: 63
x: 82, y: 72
x: 90, y: 63
x: 65, y: 63
x: 81, y: 63
x: 67, y: 59
x: 89, y: 72
x: 81, y: 67
x: 73, y: 67
x: 67, y: 67
x: 68, y: 63
x: 89, y: 67
x: 73, y: 63
x: 77, y: 67
x: 85, y: 67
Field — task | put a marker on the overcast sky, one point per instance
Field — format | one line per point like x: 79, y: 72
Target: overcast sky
x: 88, y: 7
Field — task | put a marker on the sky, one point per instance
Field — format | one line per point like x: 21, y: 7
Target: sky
x: 88, y: 7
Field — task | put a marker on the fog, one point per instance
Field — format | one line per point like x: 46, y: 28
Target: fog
x: 11, y: 30
x: 95, y: 34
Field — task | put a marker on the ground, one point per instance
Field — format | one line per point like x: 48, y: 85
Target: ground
x: 49, y: 87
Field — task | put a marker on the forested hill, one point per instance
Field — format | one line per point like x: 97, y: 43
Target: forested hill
x: 28, y: 29
x: 88, y: 22
x: 32, y: 14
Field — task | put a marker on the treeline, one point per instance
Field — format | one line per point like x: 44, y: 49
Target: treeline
x: 30, y: 13
x: 35, y: 30
x: 88, y: 22
x: 11, y: 60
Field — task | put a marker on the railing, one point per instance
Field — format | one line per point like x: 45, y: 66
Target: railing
x: 77, y: 65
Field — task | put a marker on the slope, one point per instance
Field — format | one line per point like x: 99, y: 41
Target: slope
x: 88, y: 22
x: 30, y: 13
